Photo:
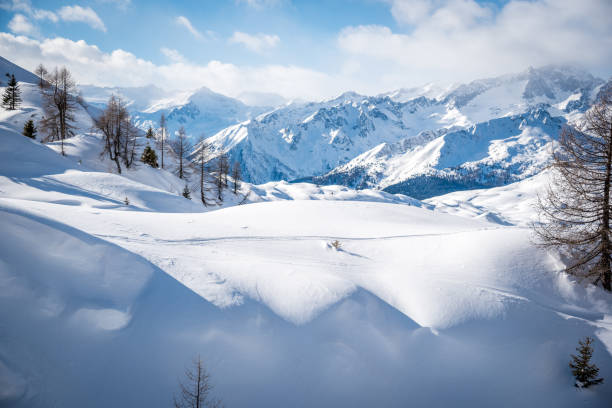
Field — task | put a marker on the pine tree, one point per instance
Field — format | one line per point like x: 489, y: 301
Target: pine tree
x: 12, y: 94
x: 187, y: 192
x: 29, y: 129
x: 149, y: 157
x: 583, y: 370
x: 150, y: 134
x: 126, y: 201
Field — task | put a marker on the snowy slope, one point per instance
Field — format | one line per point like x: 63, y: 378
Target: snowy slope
x: 487, y: 154
x: 413, y: 300
x: 305, y: 140
x: 103, y: 304
x: 21, y: 75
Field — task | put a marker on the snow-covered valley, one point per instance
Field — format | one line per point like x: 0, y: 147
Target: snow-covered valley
x: 442, y: 302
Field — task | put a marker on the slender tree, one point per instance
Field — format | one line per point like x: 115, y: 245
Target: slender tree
x: 162, y: 133
x: 41, y: 72
x: 118, y: 133
x: 59, y: 105
x: 195, y: 389
x: 29, y: 129
x: 201, y: 158
x: 575, y: 212
x: 182, y: 148
x: 582, y: 368
x: 236, y: 177
x: 11, y: 99
x: 221, y: 176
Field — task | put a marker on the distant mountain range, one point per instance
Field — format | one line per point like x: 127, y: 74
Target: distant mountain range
x: 420, y: 141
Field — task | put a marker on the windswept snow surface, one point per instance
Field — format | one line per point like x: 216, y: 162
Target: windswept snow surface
x: 103, y: 304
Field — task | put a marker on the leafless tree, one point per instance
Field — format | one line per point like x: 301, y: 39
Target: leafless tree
x: 236, y: 177
x: 221, y: 176
x: 195, y: 389
x: 41, y: 72
x: 59, y: 104
x: 162, y: 136
x: 200, y: 160
x: 119, y: 133
x: 575, y: 212
x: 182, y: 147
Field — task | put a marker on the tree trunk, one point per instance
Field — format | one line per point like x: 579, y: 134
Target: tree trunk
x: 605, y: 230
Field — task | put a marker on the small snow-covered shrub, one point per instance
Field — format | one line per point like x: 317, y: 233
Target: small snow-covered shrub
x: 337, y: 245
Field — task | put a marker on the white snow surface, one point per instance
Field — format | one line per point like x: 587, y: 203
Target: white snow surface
x: 103, y: 304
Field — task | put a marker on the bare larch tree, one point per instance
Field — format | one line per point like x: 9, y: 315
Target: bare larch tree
x: 182, y: 147
x: 59, y: 104
x: 119, y: 133
x: 41, y: 72
x: 236, y: 177
x: 162, y: 136
x: 195, y: 389
x: 575, y: 212
x: 221, y: 176
x: 200, y: 160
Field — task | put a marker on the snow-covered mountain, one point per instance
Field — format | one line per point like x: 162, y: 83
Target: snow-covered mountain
x: 352, y: 134
x: 202, y: 112
x: 492, y: 153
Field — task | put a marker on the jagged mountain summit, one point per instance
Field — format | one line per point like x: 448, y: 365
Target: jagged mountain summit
x: 326, y: 140
x: 488, y: 154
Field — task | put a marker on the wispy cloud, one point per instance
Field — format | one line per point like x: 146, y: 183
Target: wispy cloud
x: 173, y: 55
x: 255, y: 42
x: 83, y: 15
x: 184, y: 21
x: 260, y: 4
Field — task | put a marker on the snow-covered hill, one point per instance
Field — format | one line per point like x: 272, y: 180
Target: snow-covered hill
x: 305, y: 140
x: 96, y: 295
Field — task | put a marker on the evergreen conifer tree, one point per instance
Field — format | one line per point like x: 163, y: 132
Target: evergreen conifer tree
x: 150, y: 133
x: 187, y: 192
x: 583, y: 370
x: 12, y: 94
x: 149, y: 157
x: 29, y: 129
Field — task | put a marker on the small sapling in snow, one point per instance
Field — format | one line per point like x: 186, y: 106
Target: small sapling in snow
x: 582, y: 368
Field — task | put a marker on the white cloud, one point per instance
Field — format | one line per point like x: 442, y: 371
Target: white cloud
x: 255, y: 42
x: 19, y: 24
x: 172, y: 54
x: 184, y: 21
x: 410, y: 11
x: 83, y: 15
x: 457, y: 40
x: 120, y: 4
x: 120, y: 68
x: 260, y: 4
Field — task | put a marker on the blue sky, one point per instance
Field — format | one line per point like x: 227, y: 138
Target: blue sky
x: 301, y: 48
